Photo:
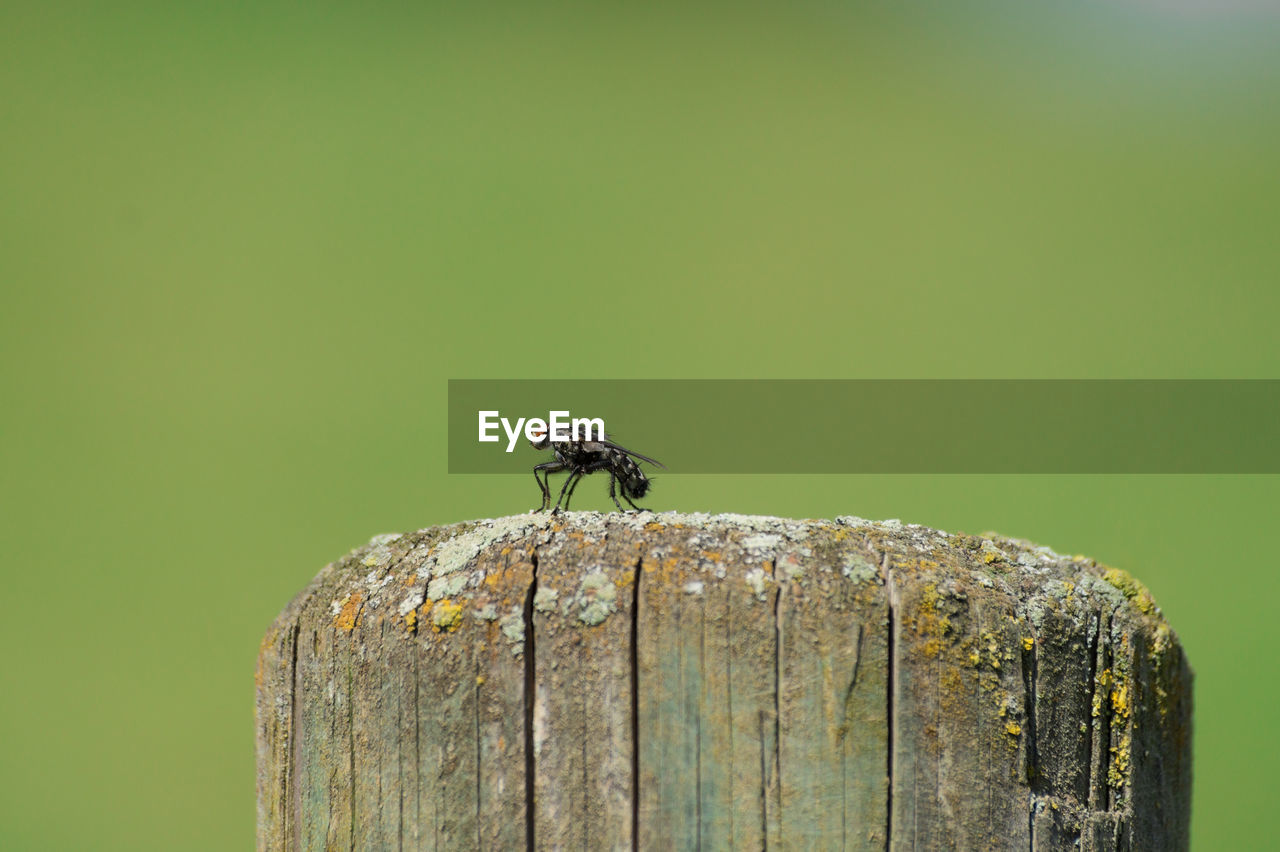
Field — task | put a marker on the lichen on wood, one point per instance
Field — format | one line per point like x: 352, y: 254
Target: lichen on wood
x: 670, y: 681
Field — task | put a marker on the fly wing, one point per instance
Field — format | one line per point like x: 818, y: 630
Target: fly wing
x: 614, y: 446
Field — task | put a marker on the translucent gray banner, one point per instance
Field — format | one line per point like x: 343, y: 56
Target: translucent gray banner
x: 889, y: 426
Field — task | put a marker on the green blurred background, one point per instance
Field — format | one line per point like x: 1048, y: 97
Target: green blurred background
x: 243, y: 247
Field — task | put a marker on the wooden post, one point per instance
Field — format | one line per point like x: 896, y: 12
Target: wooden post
x: 676, y: 681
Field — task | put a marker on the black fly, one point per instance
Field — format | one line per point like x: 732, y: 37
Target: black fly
x: 582, y: 457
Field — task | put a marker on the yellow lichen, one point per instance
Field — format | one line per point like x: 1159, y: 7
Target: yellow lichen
x: 1118, y: 772
x: 1131, y: 588
x: 952, y: 684
x: 411, y: 621
x: 447, y: 616
x: 349, y: 616
x: 1028, y: 643
x: 1120, y: 700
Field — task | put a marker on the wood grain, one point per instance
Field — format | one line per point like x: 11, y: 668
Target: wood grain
x: 687, y: 681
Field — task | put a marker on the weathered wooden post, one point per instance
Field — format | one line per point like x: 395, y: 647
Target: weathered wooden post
x: 676, y: 681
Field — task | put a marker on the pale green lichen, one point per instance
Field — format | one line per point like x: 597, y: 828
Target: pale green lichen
x: 769, y: 524
x: 512, y: 625
x: 1060, y: 590
x: 446, y: 586
x: 412, y: 601
x: 789, y: 567
x: 858, y: 570
x: 379, y: 554
x: 456, y: 552
x: 1033, y: 611
x: 760, y: 550
x: 544, y: 600
x: 1094, y: 585
x: 597, y: 597
x: 762, y: 542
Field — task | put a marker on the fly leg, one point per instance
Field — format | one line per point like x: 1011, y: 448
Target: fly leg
x: 602, y: 464
x: 574, y: 476
x: 628, y: 499
x: 569, y: 496
x: 544, y: 486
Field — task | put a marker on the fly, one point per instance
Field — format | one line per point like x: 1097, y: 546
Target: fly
x: 582, y: 457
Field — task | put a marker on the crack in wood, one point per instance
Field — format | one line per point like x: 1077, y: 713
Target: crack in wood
x: 842, y: 733
x: 891, y: 680
x: 1101, y: 795
x: 702, y: 654
x: 292, y: 789
x: 351, y: 738
x: 1090, y: 798
x: 417, y: 751
x: 1031, y: 823
x: 530, y: 696
x: 1030, y: 673
x: 775, y: 778
x: 479, y: 750
x: 633, y: 654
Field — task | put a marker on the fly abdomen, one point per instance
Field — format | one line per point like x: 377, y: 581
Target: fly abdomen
x: 636, y: 487
x: 634, y: 483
